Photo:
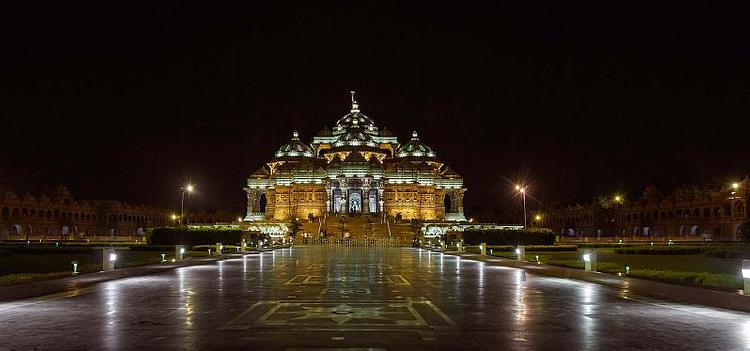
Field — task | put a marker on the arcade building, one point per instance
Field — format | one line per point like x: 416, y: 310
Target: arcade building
x: 355, y: 169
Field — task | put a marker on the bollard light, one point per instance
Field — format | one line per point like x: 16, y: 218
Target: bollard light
x: 163, y: 257
x: 521, y: 253
x: 182, y: 250
x: 620, y: 242
x: 746, y: 276
x: 627, y: 269
x: 108, y: 259
x: 490, y: 252
x: 75, y: 267
x: 518, y: 251
x: 209, y: 252
x: 537, y: 258
x: 589, y: 261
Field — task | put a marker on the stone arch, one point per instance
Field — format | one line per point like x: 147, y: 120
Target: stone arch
x: 695, y: 230
x: 262, y: 202
x: 16, y: 229
x: 637, y: 231
x: 682, y: 230
x: 739, y: 208
x: 647, y: 231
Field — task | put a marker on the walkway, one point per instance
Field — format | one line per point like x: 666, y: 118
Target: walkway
x: 394, y: 298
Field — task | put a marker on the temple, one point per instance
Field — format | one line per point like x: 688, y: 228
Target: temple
x: 355, y: 169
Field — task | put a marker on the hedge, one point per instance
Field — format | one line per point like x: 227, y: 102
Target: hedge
x: 194, y: 236
x: 661, y: 250
x: 507, y: 237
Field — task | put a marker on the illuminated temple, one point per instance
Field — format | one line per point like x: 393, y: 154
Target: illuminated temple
x: 354, y: 169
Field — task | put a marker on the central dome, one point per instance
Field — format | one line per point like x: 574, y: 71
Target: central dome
x: 355, y: 118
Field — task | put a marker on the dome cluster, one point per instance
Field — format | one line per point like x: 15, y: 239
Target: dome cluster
x: 356, y: 131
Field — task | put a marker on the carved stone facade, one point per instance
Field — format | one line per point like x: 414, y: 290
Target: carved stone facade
x: 711, y: 212
x: 354, y: 169
x: 62, y: 217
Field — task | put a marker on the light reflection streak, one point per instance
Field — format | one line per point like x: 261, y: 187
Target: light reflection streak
x: 112, y: 296
x: 521, y: 315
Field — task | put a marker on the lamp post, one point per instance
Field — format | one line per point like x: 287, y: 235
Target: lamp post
x: 185, y: 189
x: 522, y: 190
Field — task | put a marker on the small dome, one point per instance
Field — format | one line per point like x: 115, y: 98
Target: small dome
x: 324, y: 132
x: 295, y: 148
x: 415, y: 148
x: 385, y: 132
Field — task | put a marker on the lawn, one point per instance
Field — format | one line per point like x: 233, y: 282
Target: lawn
x: 712, y: 272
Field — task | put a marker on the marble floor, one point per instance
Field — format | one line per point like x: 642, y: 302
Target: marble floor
x: 368, y: 298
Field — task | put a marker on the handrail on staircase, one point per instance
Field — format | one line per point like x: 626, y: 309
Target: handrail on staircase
x: 320, y: 226
x: 388, y: 224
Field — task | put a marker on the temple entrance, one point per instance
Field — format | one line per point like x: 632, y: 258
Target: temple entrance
x: 355, y: 202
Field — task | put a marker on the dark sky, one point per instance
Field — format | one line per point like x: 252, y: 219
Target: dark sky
x: 129, y: 101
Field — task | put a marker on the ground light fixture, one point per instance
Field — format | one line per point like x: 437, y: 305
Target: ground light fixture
x: 163, y: 257
x: 746, y: 276
x: 537, y: 258
x: 75, y: 267
x: 627, y: 269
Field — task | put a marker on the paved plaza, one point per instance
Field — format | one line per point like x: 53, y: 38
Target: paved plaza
x: 380, y: 298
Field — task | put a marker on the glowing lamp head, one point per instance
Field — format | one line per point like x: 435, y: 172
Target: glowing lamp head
x: 112, y: 257
x: 518, y: 251
x: 189, y: 188
x: 618, y: 198
x: 518, y: 187
x: 746, y: 273
x: 735, y: 186
x: 587, y: 257
x: 174, y: 216
x: 182, y: 250
x: 239, y: 219
x: 538, y: 217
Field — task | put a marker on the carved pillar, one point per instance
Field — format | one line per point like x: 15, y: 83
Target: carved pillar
x: 365, y: 196
x: 344, y: 196
x: 460, y: 200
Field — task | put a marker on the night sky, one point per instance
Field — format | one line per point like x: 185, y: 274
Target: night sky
x: 129, y: 101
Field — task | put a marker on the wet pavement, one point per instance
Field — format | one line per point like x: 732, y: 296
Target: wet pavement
x: 387, y: 298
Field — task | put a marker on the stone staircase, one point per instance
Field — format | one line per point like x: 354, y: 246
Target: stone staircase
x: 358, y: 227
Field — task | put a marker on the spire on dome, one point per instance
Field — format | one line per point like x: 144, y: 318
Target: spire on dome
x: 355, y: 105
x: 295, y: 135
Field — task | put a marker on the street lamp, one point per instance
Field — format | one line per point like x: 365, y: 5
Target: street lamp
x: 618, y: 199
x: 522, y: 190
x: 185, y: 189
x: 537, y: 219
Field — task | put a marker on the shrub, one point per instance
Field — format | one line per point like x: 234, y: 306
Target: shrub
x: 660, y: 250
x: 194, y: 236
x: 508, y: 237
x: 162, y: 248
